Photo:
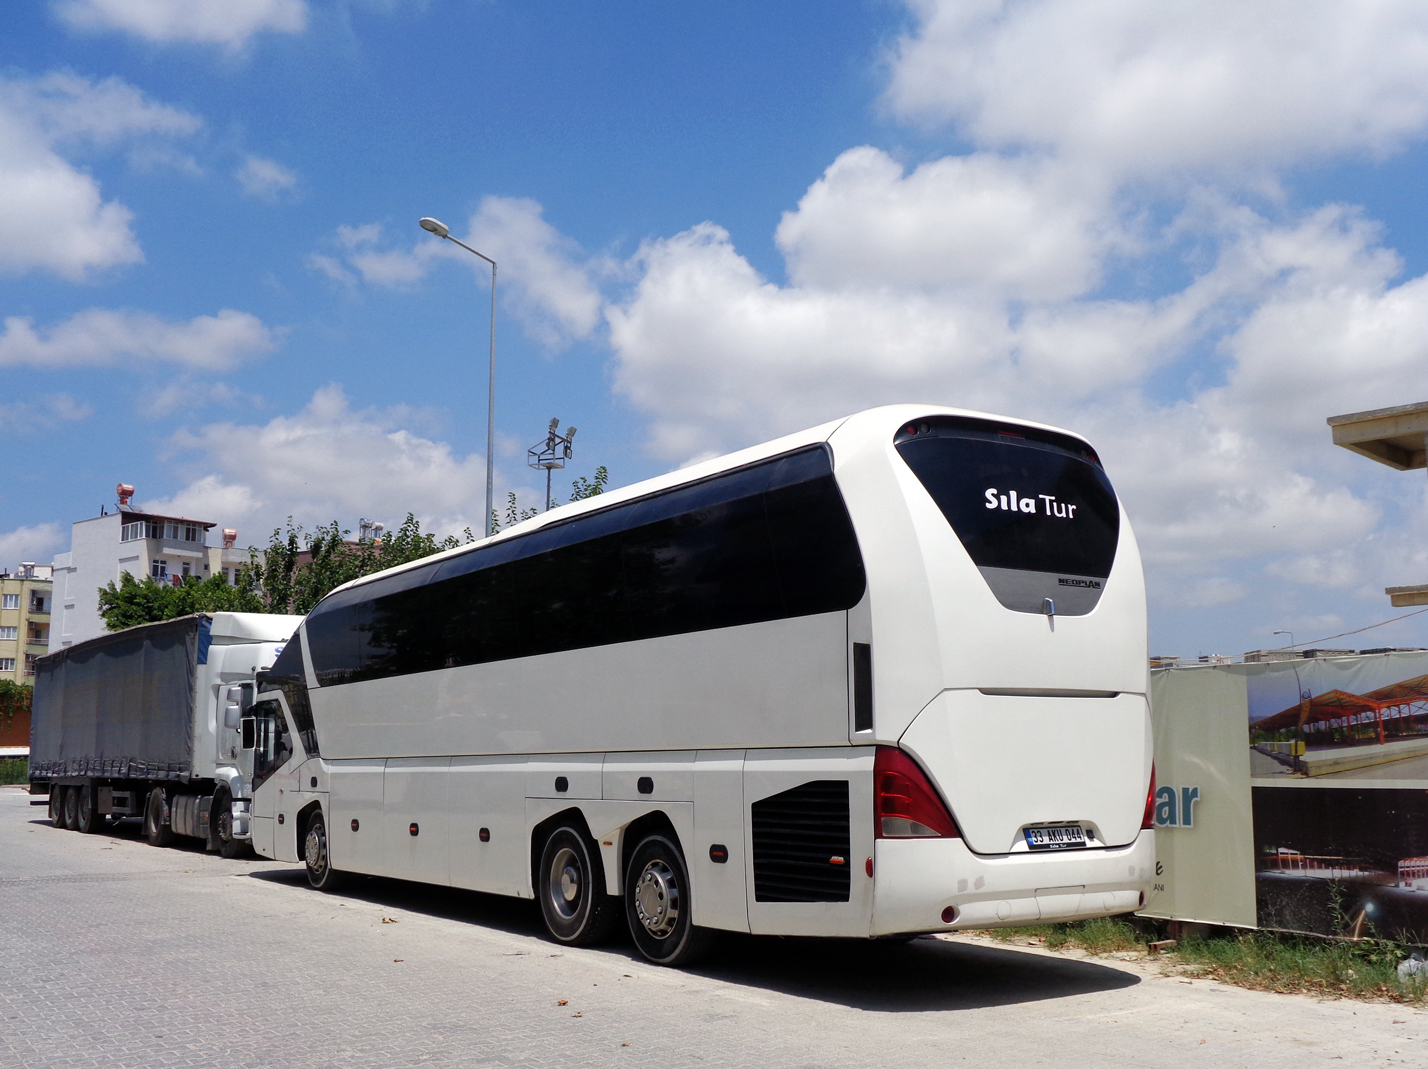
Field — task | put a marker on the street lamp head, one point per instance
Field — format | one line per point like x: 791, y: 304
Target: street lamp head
x: 435, y: 226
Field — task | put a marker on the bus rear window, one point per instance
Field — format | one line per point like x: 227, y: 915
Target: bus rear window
x: 1019, y: 500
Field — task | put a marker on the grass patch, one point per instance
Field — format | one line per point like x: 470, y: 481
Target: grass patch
x: 1336, y: 968
x: 1105, y: 935
x: 1265, y: 961
x: 14, y: 769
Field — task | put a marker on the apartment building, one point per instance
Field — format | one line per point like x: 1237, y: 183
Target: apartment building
x: 103, y: 547
x: 26, y: 597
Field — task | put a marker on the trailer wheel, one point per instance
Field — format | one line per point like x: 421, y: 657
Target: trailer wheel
x: 71, y: 808
x: 570, y: 884
x: 221, y: 820
x: 320, y: 872
x: 657, y: 905
x: 88, y: 821
x: 56, y: 805
x: 155, y: 830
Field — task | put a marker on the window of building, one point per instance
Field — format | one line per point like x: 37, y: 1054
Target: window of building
x: 10, y: 601
x: 9, y: 634
x: 177, y: 532
x: 159, y: 569
x: 37, y: 633
x: 187, y: 569
x: 29, y: 664
x: 7, y: 664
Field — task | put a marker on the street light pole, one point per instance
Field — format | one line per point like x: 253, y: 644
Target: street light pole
x: 441, y: 230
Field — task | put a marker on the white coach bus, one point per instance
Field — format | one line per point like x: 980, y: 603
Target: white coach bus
x: 885, y: 676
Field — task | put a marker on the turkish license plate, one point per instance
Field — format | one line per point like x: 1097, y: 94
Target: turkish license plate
x: 1057, y: 837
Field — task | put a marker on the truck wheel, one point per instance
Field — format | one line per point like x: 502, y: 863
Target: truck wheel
x: 71, y: 808
x: 320, y: 872
x: 56, y: 805
x: 88, y: 821
x: 657, y: 905
x: 221, y: 820
x: 155, y: 830
x: 570, y: 884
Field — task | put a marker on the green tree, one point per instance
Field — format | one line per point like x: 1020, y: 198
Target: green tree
x: 14, y: 699
x: 300, y: 568
x: 297, y: 570
x: 142, y: 601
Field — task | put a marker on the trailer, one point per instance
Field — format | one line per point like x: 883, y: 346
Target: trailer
x: 149, y: 722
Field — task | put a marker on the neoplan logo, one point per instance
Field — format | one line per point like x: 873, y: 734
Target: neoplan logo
x: 1012, y: 503
x: 1089, y: 584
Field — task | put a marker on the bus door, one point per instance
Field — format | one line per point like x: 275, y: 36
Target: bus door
x: 275, y: 762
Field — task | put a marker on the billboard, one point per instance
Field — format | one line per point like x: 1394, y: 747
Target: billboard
x: 1322, y: 821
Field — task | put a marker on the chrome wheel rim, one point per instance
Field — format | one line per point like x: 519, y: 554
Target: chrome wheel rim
x: 657, y: 899
x: 566, y: 882
x: 315, y: 849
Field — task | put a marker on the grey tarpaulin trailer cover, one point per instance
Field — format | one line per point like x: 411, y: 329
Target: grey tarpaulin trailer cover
x: 120, y: 705
x: 149, y: 722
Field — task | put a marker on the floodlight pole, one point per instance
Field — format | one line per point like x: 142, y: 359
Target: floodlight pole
x: 441, y: 230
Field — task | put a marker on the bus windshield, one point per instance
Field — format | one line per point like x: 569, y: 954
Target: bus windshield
x: 1020, y: 500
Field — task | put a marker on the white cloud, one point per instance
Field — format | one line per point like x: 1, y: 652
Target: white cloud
x: 221, y: 22
x: 1146, y: 89
x: 38, y: 544
x: 265, y: 179
x: 188, y: 394
x: 1018, y: 227
x: 102, y: 336
x: 327, y: 461
x: 49, y: 412
x: 53, y: 216
x: 540, y: 277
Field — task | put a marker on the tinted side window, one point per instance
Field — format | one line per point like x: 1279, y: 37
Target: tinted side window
x: 770, y: 541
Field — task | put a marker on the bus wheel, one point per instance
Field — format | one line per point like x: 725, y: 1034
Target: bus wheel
x: 221, y: 818
x: 155, y: 830
x: 571, y: 887
x: 56, y: 805
x: 657, y: 905
x: 87, y: 820
x: 320, y: 872
x: 71, y: 808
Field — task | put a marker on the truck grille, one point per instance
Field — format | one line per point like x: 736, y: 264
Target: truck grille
x: 801, y: 844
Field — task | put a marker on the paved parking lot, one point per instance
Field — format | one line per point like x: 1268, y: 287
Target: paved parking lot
x: 118, y: 954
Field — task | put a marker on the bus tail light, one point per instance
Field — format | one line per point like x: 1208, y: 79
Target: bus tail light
x: 1148, y: 820
x: 906, y: 804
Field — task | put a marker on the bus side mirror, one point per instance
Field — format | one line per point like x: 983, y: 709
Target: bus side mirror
x: 250, y: 731
x: 232, y: 714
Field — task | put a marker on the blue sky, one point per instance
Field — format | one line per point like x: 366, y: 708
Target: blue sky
x: 1190, y: 231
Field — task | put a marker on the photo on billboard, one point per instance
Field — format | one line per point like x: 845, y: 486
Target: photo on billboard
x: 1339, y: 767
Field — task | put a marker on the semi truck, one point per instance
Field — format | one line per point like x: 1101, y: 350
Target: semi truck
x: 150, y: 722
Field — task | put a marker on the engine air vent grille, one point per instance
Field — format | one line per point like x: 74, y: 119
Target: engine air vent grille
x: 801, y: 844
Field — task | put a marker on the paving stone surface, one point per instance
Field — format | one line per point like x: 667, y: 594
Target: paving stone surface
x: 117, y: 954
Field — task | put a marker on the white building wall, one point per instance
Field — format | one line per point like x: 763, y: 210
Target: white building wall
x: 97, y: 556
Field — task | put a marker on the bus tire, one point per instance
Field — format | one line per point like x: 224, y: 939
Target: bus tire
x: 71, y: 808
x: 221, y: 821
x: 657, y: 904
x: 155, y: 830
x: 87, y: 820
x: 571, y: 887
x: 56, y: 805
x: 318, y: 858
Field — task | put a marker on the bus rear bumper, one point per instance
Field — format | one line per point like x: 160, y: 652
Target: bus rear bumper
x: 934, y: 885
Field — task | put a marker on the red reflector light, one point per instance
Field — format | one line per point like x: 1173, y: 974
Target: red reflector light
x: 949, y: 914
x: 906, y: 805
x: 1148, y: 820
